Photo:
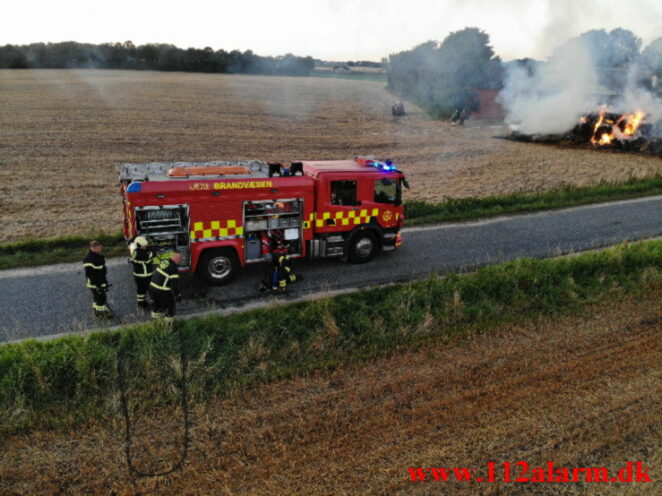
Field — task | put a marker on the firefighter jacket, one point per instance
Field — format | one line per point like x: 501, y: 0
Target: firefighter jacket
x: 143, y: 262
x: 283, y: 269
x: 95, y: 270
x: 166, y: 277
x: 283, y: 262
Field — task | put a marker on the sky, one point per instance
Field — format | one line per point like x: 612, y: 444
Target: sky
x: 325, y: 29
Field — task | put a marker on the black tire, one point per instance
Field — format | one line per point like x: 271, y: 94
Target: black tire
x: 363, y: 246
x: 218, y: 266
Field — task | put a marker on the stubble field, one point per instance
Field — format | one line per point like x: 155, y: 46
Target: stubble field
x: 63, y: 132
x: 579, y: 391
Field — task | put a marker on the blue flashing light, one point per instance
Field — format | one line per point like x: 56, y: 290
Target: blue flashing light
x: 134, y: 187
x: 387, y: 165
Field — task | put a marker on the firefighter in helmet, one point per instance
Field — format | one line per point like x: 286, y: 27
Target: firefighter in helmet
x: 282, y: 268
x: 95, y: 276
x: 164, y: 288
x: 142, y: 258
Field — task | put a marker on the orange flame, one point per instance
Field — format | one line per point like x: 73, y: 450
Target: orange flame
x: 594, y: 140
x: 632, y: 123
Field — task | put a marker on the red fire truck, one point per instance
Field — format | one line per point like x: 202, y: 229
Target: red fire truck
x: 223, y: 215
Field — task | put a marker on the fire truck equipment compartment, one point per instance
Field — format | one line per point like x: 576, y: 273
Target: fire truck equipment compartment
x: 253, y: 248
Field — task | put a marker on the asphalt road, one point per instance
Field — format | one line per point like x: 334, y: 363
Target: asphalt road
x: 51, y: 300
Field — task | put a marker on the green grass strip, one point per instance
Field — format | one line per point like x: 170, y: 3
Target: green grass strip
x: 418, y: 212
x: 68, y: 380
x: 68, y: 249
x: 32, y: 252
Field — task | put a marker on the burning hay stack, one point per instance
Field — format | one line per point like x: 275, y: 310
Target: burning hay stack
x: 557, y: 101
x: 606, y: 130
x: 609, y: 129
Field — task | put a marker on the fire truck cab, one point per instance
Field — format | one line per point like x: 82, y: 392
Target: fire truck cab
x: 222, y: 215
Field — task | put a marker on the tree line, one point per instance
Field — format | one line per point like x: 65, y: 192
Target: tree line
x: 441, y: 77
x: 158, y: 57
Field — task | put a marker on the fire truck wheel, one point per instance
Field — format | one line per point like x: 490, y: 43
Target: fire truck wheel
x: 218, y: 266
x: 363, y: 246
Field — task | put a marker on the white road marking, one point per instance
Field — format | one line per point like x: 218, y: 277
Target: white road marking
x: 257, y: 304
x: 57, y: 268
x: 253, y: 305
x: 114, y: 262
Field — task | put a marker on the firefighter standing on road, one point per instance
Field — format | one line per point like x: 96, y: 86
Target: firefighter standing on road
x: 282, y: 268
x: 164, y: 288
x: 142, y: 259
x: 95, y: 275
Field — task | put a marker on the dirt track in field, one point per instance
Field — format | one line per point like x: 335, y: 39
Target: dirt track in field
x: 581, y: 391
x: 62, y: 134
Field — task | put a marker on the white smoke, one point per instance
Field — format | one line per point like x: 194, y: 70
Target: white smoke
x: 552, y: 98
x: 549, y: 98
x: 635, y: 97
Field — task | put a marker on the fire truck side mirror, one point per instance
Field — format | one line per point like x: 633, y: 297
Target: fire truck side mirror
x: 405, y: 183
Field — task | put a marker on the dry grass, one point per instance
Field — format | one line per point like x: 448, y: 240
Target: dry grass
x: 63, y: 132
x: 580, y: 391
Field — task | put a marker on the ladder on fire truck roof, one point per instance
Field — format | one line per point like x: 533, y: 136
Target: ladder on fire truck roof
x: 169, y: 171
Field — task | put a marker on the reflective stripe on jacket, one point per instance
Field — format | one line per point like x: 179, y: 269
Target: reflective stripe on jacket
x: 142, y: 261
x: 166, y: 277
x: 95, y: 270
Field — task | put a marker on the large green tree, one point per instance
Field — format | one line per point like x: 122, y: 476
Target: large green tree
x: 617, y: 48
x: 443, y: 77
x: 651, y: 56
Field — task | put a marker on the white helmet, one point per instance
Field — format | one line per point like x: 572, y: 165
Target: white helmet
x: 141, y: 241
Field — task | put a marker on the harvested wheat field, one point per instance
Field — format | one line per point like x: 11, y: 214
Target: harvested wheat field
x: 578, y: 391
x: 63, y: 132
